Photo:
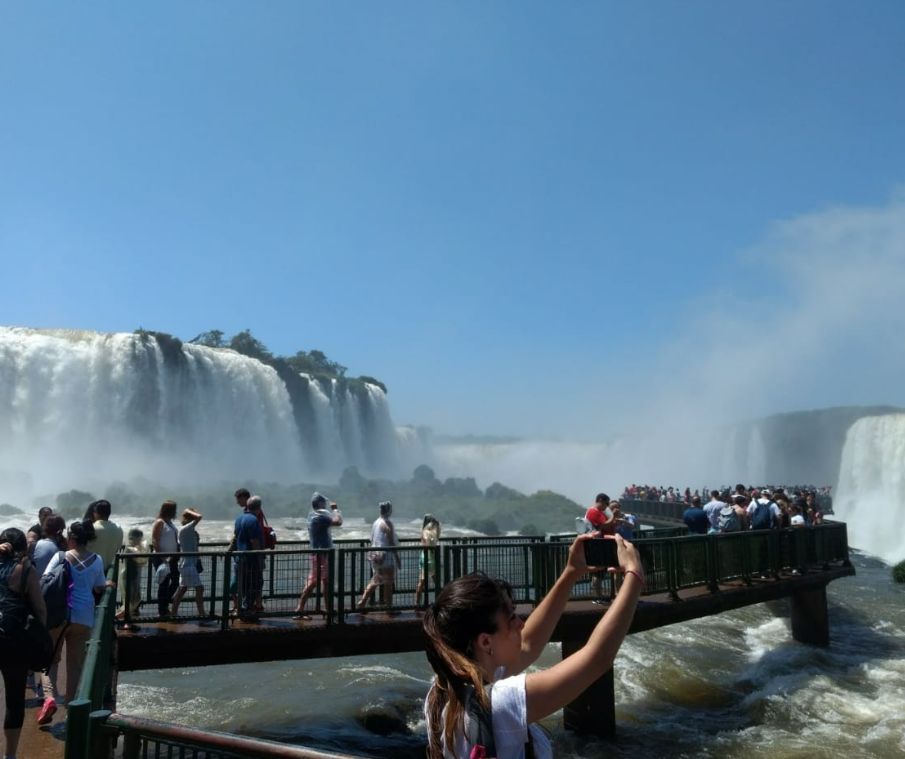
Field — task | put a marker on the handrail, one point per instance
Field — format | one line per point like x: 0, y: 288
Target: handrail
x: 213, y: 744
x: 672, y: 563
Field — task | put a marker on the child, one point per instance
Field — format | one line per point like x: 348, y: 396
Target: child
x: 132, y: 585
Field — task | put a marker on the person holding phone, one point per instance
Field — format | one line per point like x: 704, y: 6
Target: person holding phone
x: 479, y: 649
x: 602, y: 520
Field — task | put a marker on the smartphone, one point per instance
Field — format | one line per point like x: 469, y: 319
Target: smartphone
x: 601, y: 552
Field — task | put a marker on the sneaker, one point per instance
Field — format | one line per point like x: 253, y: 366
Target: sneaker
x: 47, y: 711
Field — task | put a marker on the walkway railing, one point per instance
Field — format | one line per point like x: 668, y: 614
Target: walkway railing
x: 530, y: 565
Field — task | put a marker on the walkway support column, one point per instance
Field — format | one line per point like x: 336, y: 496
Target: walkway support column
x: 594, y: 711
x: 810, y: 621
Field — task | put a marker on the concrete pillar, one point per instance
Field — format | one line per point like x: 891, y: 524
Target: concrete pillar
x: 594, y: 711
x: 810, y: 621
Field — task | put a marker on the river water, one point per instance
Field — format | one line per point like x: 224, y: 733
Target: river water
x: 733, y: 685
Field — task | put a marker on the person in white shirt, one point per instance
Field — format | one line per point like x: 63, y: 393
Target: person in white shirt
x: 712, y: 509
x: 108, y: 535
x: 479, y: 649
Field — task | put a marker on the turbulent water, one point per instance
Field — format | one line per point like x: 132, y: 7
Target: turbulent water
x: 734, y: 685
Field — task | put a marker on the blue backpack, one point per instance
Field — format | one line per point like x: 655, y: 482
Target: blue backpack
x: 762, y: 516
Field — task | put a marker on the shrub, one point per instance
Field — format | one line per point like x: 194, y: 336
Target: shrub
x: 898, y: 572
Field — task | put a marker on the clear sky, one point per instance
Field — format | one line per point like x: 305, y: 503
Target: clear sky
x: 525, y: 218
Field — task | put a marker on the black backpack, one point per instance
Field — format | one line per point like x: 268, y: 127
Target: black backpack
x: 56, y: 587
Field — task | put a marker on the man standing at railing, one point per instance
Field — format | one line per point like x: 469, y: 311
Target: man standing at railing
x: 109, y: 535
x: 248, y: 567
x: 712, y: 509
x: 320, y: 520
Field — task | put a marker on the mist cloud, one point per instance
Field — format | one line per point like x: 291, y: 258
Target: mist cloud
x: 820, y: 322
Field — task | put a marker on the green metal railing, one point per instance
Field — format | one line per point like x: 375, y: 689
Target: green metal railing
x: 527, y: 563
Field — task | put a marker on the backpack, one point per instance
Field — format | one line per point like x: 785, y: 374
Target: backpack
x: 13, y: 608
x: 582, y: 526
x: 270, y: 535
x: 728, y: 520
x: 479, y: 729
x: 762, y: 516
x: 56, y: 587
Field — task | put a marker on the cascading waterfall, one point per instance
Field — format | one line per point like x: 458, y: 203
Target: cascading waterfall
x: 871, y: 493
x: 82, y: 406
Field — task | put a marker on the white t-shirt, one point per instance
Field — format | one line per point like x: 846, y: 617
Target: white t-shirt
x: 510, y: 724
x: 797, y: 520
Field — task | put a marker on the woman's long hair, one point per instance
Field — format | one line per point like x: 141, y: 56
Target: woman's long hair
x: 82, y: 532
x: 465, y: 608
x: 16, y: 538
x: 430, y: 530
x: 167, y: 511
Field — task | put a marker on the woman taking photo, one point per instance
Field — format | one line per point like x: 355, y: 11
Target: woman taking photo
x: 20, y: 594
x: 86, y: 572
x: 479, y: 647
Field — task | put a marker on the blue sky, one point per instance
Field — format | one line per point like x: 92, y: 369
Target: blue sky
x: 523, y: 217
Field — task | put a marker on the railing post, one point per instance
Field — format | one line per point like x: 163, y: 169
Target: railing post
x: 341, y: 581
x: 213, y: 607
x: 227, y: 571
x: 329, y: 600
x: 711, y: 563
x: 77, y: 713
x: 100, y: 744
x: 672, y: 570
x: 127, y: 588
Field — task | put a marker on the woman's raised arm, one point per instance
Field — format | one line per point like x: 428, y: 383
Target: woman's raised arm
x: 561, y: 684
x: 541, y: 622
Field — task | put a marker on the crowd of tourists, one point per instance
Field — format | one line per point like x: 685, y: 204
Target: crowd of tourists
x: 741, y: 508
x: 49, y: 585
x: 671, y: 494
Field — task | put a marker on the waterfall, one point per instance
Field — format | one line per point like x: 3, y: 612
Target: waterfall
x: 85, y: 407
x: 870, y: 496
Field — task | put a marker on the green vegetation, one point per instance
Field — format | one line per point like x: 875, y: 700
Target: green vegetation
x: 456, y: 500
x: 898, y: 572
x: 314, y: 362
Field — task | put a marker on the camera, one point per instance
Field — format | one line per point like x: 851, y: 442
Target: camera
x: 601, y: 552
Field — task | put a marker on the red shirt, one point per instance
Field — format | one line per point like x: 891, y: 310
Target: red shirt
x: 597, y: 518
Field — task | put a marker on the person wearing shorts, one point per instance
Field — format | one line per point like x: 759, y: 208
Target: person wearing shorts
x: 320, y: 520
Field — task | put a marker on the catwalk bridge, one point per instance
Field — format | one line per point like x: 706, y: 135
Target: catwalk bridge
x: 687, y: 577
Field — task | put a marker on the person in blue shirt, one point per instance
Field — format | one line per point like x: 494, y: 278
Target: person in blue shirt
x: 249, y: 568
x: 696, y: 518
x: 320, y: 520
